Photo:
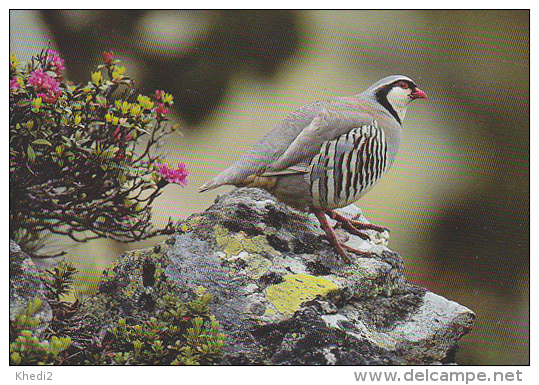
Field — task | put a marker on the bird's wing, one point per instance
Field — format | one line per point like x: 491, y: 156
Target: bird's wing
x: 264, y: 152
x: 329, y: 124
x: 290, y: 146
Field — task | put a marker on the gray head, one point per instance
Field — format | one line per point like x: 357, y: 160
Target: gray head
x: 395, y: 92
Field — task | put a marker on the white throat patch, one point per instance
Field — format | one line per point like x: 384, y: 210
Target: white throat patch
x: 399, y: 98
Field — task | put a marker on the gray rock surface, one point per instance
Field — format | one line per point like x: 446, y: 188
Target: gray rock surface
x: 24, y: 286
x: 281, y: 295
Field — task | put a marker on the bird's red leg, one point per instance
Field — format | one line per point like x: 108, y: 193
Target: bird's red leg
x: 332, y: 237
x: 354, y: 226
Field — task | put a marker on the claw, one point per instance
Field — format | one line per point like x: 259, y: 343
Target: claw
x: 365, y: 254
x: 354, y: 226
x: 340, y: 246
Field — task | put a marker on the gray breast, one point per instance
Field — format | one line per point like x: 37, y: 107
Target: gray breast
x: 347, y: 167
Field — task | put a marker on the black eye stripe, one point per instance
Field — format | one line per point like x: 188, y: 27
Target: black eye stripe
x: 411, y: 85
x: 381, y: 96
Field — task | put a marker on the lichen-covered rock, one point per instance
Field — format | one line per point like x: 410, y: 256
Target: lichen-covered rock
x: 280, y: 293
x: 25, y: 286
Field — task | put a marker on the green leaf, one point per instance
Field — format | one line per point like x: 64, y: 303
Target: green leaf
x: 49, y: 122
x: 70, y: 88
x: 31, y: 154
x: 23, y: 103
x: 141, y: 130
x: 101, y: 100
x: 42, y: 141
x: 109, y: 153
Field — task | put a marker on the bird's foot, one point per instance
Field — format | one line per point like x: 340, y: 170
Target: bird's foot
x: 339, y: 245
x: 342, y: 247
x: 365, y: 254
x: 354, y: 226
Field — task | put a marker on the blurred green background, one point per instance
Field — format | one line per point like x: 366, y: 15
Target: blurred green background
x: 456, y: 199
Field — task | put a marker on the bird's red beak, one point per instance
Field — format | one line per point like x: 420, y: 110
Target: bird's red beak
x: 418, y: 94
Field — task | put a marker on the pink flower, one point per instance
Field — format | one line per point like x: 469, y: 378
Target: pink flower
x: 161, y: 110
x: 57, y: 64
x: 116, y: 134
x: 39, y: 79
x: 14, y: 84
x: 50, y: 97
x: 178, y: 176
x: 108, y: 57
x: 159, y: 94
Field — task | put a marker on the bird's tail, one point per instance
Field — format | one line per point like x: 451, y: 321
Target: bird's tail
x: 209, y: 185
x: 228, y: 176
x: 238, y: 174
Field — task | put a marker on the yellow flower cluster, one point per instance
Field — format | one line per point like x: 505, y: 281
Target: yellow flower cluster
x: 13, y: 62
x: 124, y: 107
x: 135, y: 110
x: 118, y: 72
x: 111, y: 118
x: 97, y: 77
x: 145, y: 102
x: 168, y: 98
x: 36, y: 104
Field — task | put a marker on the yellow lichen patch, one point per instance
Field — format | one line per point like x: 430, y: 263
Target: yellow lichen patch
x: 230, y: 244
x: 219, y: 231
x: 270, y: 311
x: 257, y: 266
x: 288, y: 296
x: 234, y: 244
x: 132, y: 264
x: 190, y: 224
x: 258, y: 244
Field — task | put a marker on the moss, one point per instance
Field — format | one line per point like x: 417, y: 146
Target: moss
x: 296, y: 289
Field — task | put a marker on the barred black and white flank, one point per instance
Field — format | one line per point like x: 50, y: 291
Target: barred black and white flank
x: 328, y: 154
x: 347, y: 167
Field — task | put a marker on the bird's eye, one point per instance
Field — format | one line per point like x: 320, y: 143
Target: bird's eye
x: 402, y: 84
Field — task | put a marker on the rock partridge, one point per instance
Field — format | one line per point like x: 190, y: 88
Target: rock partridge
x: 327, y: 154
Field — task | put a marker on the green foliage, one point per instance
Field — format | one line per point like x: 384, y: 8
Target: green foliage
x: 182, y: 334
x: 25, y: 348
x: 179, y: 334
x: 24, y: 320
x: 59, y: 280
x: 202, y: 344
x: 82, y: 158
